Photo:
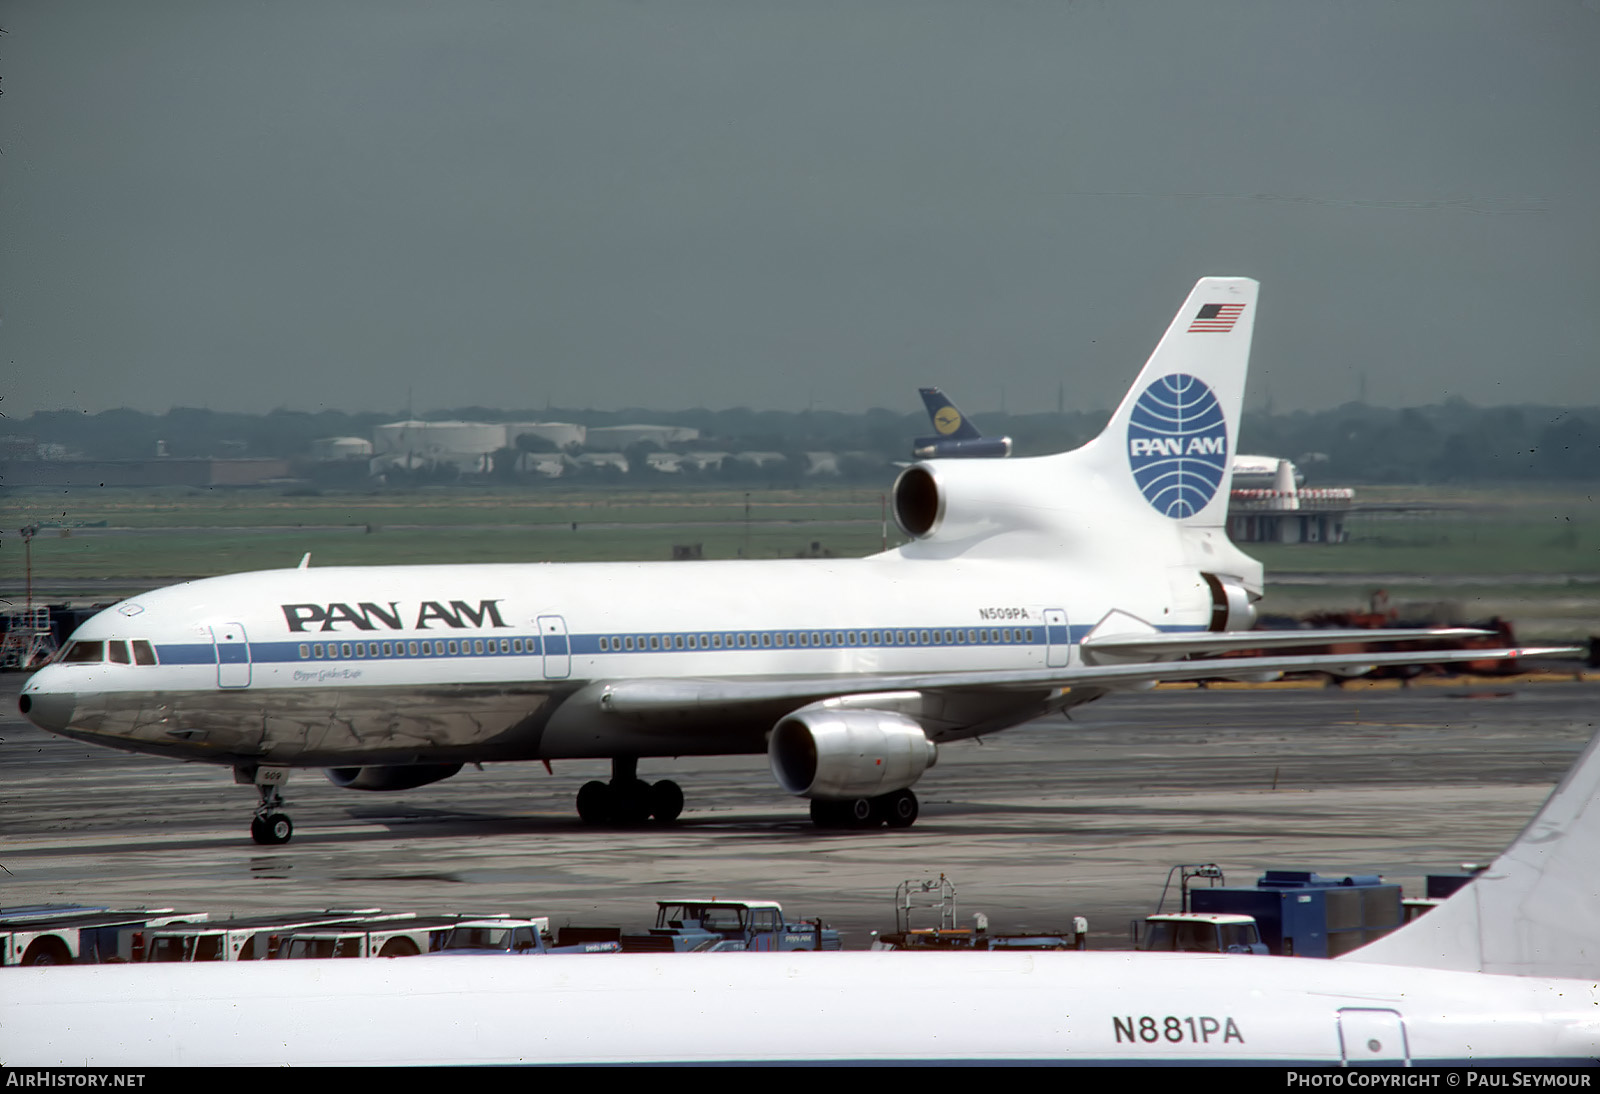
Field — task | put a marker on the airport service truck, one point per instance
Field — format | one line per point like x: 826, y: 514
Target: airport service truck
x: 1200, y: 932
x: 714, y: 926
x: 1299, y: 913
x: 1287, y: 912
x: 515, y: 936
x: 64, y: 935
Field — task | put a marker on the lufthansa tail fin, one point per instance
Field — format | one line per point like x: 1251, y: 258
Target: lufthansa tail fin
x: 1172, y: 440
x: 948, y: 421
x: 1535, y: 911
x: 955, y: 437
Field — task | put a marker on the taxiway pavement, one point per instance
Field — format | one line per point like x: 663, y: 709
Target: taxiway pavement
x: 1035, y: 825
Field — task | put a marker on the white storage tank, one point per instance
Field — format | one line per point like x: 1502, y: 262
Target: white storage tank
x: 329, y: 449
x: 615, y: 438
x: 439, y: 440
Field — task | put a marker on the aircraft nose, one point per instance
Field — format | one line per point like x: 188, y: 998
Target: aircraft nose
x: 46, y: 709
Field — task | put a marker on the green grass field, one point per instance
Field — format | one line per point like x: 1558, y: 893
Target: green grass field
x: 254, y: 508
x: 163, y: 534
x: 1531, y: 555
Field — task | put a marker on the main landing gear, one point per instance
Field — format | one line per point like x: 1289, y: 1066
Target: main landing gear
x: 627, y: 799
x: 897, y: 810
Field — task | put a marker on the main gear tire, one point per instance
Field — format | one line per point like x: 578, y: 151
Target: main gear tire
x: 594, y: 802
x: 666, y: 801
x: 272, y: 830
x: 898, y: 810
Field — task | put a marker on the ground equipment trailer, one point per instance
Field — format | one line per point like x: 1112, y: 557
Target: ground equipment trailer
x: 248, y: 938
x: 86, y: 936
x: 1438, y: 889
x: 401, y: 935
x: 923, y: 898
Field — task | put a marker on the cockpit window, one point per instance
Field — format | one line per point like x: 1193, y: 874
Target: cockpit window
x: 117, y: 652
x: 83, y: 653
x: 143, y: 652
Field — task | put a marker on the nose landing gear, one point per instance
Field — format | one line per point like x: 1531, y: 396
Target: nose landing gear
x: 271, y: 826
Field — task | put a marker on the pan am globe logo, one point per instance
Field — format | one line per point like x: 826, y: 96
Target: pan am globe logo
x: 1178, y: 445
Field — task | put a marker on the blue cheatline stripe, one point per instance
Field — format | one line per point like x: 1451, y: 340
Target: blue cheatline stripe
x: 349, y: 647
x: 196, y: 653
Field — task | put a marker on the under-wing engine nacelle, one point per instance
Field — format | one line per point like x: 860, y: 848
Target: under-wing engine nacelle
x: 825, y: 752
x: 404, y: 777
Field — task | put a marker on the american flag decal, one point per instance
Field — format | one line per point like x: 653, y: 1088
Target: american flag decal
x: 1216, y: 318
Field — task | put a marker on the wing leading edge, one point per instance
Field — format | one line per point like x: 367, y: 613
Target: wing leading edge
x: 649, y: 696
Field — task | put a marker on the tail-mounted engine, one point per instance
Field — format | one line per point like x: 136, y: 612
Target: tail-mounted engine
x: 918, y: 503
x: 406, y: 777
x: 825, y: 752
x: 1231, y: 607
x: 955, y: 499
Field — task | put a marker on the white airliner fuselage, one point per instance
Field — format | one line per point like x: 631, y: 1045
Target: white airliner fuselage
x: 514, y: 659
x: 1073, y: 1008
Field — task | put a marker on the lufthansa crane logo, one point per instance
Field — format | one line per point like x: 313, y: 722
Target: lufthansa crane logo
x: 947, y: 421
x: 1178, y: 445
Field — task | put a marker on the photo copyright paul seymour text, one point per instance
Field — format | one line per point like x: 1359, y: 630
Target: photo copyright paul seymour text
x: 1378, y: 1080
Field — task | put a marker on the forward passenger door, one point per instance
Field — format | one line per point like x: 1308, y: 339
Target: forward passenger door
x: 233, y: 655
x: 557, y: 649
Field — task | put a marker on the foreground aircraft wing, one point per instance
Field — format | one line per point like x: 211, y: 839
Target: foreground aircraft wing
x: 646, y: 696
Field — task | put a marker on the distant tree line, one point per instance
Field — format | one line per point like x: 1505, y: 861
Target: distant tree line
x: 1451, y: 442
x: 1355, y: 443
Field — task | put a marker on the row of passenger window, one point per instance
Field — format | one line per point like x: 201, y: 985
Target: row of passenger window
x: 317, y: 651
x: 118, y: 653
x: 802, y: 639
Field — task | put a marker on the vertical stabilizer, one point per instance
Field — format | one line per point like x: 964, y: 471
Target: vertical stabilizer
x: 947, y: 419
x: 954, y: 437
x: 1172, y: 440
x: 1535, y: 911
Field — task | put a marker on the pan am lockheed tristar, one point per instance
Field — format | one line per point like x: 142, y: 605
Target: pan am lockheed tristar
x: 1027, y: 587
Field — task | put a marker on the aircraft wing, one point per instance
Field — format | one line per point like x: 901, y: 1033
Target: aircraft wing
x: 649, y: 696
x: 1159, y: 644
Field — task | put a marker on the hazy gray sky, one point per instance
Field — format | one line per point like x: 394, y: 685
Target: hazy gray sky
x: 669, y: 203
